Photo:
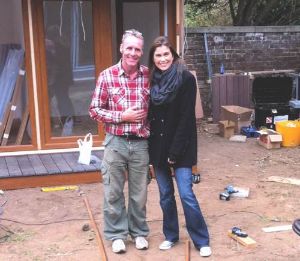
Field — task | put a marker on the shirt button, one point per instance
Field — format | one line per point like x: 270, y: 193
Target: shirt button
x: 161, y: 134
x: 162, y: 120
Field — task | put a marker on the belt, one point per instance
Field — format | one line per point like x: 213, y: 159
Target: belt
x: 132, y: 137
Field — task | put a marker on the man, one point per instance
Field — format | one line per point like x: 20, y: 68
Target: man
x: 121, y: 101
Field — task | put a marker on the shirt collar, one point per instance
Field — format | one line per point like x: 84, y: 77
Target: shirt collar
x: 122, y: 72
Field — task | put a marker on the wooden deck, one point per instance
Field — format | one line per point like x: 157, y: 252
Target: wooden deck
x: 47, y: 170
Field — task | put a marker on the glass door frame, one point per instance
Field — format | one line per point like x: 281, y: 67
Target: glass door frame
x: 103, y: 58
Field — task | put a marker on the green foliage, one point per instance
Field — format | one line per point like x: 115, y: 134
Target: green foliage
x: 195, y: 17
x: 242, y: 12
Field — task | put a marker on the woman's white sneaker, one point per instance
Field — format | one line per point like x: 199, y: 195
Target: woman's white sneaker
x: 205, y: 251
x: 118, y: 246
x: 166, y: 245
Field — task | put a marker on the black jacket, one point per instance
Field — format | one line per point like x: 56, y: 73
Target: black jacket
x: 173, y: 131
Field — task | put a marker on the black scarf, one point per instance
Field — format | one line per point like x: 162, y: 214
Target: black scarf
x: 165, y: 85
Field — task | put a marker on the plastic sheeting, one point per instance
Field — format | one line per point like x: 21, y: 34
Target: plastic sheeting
x: 9, y: 76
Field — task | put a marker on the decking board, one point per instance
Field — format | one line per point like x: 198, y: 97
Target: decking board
x: 25, y: 166
x: 47, y: 170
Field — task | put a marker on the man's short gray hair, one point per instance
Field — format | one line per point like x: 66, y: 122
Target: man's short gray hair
x: 134, y: 33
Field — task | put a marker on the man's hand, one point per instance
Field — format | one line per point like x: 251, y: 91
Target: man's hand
x: 133, y: 114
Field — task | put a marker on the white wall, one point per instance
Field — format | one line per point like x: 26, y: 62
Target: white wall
x: 11, y: 24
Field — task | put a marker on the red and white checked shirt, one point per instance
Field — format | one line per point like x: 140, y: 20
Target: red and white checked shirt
x: 114, y: 93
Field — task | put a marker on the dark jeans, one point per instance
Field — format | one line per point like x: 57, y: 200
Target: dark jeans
x: 195, y: 222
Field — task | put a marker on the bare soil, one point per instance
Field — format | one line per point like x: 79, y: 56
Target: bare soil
x: 44, y: 226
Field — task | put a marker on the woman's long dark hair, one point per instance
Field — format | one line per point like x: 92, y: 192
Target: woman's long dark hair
x: 158, y: 42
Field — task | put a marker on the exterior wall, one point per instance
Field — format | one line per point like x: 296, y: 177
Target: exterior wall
x: 240, y: 49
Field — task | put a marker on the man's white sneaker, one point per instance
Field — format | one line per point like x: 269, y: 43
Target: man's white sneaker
x: 166, y: 245
x: 205, y: 251
x: 118, y: 246
x: 141, y: 243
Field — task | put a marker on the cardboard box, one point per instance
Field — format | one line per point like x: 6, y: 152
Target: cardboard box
x: 226, y: 128
x: 241, y: 116
x: 270, y: 139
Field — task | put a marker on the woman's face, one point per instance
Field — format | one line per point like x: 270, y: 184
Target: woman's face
x: 163, y: 57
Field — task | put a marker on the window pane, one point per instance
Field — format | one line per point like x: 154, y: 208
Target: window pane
x: 14, y: 117
x: 70, y: 66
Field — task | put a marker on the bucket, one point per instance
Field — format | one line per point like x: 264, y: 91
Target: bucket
x: 290, y: 131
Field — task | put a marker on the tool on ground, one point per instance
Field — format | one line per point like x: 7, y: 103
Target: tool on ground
x: 96, y: 230
x: 196, y: 178
x: 245, y: 241
x: 224, y: 196
x: 237, y: 231
x: 50, y: 189
x: 231, y: 189
x: 228, y: 191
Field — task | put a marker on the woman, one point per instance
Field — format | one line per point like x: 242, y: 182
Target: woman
x: 173, y: 143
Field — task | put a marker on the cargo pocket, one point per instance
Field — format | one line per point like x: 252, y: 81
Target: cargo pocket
x: 105, y: 173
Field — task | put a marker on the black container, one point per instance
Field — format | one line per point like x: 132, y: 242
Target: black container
x: 271, y: 96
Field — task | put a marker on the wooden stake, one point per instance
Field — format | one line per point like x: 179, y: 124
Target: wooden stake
x: 94, y: 225
x: 187, y: 250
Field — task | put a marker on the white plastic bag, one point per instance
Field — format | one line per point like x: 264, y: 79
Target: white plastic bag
x: 85, y: 149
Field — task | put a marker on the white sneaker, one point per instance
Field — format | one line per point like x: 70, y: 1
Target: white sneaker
x: 141, y: 243
x: 205, y: 251
x: 118, y: 246
x: 166, y: 245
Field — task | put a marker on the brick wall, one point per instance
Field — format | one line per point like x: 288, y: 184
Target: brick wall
x: 245, y: 49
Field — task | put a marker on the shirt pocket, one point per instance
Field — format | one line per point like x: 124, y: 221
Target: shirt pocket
x: 144, y: 96
x: 118, y: 96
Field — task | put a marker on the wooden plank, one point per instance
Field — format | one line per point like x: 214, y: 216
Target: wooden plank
x: 13, y: 166
x: 49, y: 164
x: 229, y: 89
x: 61, y: 163
x: 4, y: 121
x: 245, y: 241
x: 291, y: 181
x: 277, y: 228
x: 13, y: 108
x: 50, y: 180
x: 198, y: 107
x: 223, y: 91
x: 3, y: 168
x: 25, y: 166
x: 23, y: 125
x: 245, y: 92
x: 37, y: 165
x: 216, y: 98
x: 240, y: 89
x: 235, y: 90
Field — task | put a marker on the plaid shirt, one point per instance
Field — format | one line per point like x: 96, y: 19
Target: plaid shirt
x: 114, y: 93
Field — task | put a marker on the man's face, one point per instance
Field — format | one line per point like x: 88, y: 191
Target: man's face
x: 131, y: 50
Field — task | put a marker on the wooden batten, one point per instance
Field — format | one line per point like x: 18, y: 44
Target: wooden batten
x: 50, y: 180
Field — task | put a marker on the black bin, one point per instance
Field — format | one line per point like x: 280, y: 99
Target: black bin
x: 271, y: 95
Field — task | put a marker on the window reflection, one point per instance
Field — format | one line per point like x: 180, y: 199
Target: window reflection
x: 70, y: 66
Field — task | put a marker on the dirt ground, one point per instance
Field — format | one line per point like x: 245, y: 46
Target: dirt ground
x: 40, y: 226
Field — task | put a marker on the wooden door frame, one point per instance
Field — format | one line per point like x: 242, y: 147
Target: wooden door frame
x: 102, y: 55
